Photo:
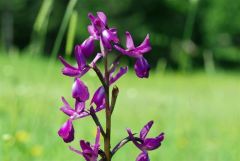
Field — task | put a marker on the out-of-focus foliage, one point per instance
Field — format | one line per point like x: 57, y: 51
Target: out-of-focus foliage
x: 182, y: 32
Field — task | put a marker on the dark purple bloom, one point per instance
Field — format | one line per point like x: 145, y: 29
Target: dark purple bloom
x: 80, y: 91
x: 66, y: 132
x: 99, y: 30
x: 143, y: 157
x: 89, y: 152
x: 143, y: 143
x: 141, y: 66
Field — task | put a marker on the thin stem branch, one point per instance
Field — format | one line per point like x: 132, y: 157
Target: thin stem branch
x: 100, y: 76
x: 115, y: 61
x: 107, y: 138
x: 97, y: 122
x: 121, y: 144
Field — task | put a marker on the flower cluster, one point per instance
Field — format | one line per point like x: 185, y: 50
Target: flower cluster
x: 109, y: 41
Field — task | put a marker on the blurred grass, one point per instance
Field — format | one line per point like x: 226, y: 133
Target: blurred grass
x: 199, y: 113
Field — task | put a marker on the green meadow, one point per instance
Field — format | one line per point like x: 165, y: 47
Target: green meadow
x: 199, y: 113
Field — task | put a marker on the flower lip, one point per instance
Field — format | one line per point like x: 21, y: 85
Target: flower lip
x: 66, y: 132
x: 142, y: 67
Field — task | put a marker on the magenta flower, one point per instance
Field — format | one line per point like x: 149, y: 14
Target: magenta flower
x: 89, y: 152
x: 82, y: 68
x: 141, y: 66
x: 100, y: 31
x: 80, y: 91
x: 146, y: 144
x: 66, y: 132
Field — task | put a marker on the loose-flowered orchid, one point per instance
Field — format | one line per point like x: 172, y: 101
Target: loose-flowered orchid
x: 89, y: 152
x: 146, y: 144
x: 108, y: 39
x: 141, y: 66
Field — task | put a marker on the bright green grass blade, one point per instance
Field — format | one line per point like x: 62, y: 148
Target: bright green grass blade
x: 63, y: 28
x: 71, y: 33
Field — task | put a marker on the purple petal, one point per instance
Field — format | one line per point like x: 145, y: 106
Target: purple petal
x: 109, y: 36
x: 142, y: 68
x: 85, y: 146
x: 91, y: 17
x: 66, y: 132
x: 80, y: 90
x: 75, y: 150
x: 80, y: 115
x: 133, y: 139
x: 88, y: 47
x: 102, y: 17
x: 132, y: 51
x: 92, y: 32
x: 71, y: 72
x: 152, y: 143
x: 106, y: 39
x: 143, y: 157
x: 146, y: 129
x: 97, y: 57
x: 97, y: 141
x: 145, y: 45
x: 99, y: 97
x: 66, y: 64
x: 122, y: 71
x: 129, y: 41
x: 68, y: 69
x: 81, y: 61
x: 66, y: 104
x: 67, y: 111
x: 79, y: 106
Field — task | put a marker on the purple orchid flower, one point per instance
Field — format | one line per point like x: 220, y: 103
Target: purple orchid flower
x: 82, y: 68
x: 99, y: 96
x: 99, y: 30
x: 89, y: 152
x: 66, y: 132
x: 80, y: 91
x: 141, y: 66
x: 146, y: 144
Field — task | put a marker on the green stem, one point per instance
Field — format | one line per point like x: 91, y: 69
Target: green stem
x: 107, y: 138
